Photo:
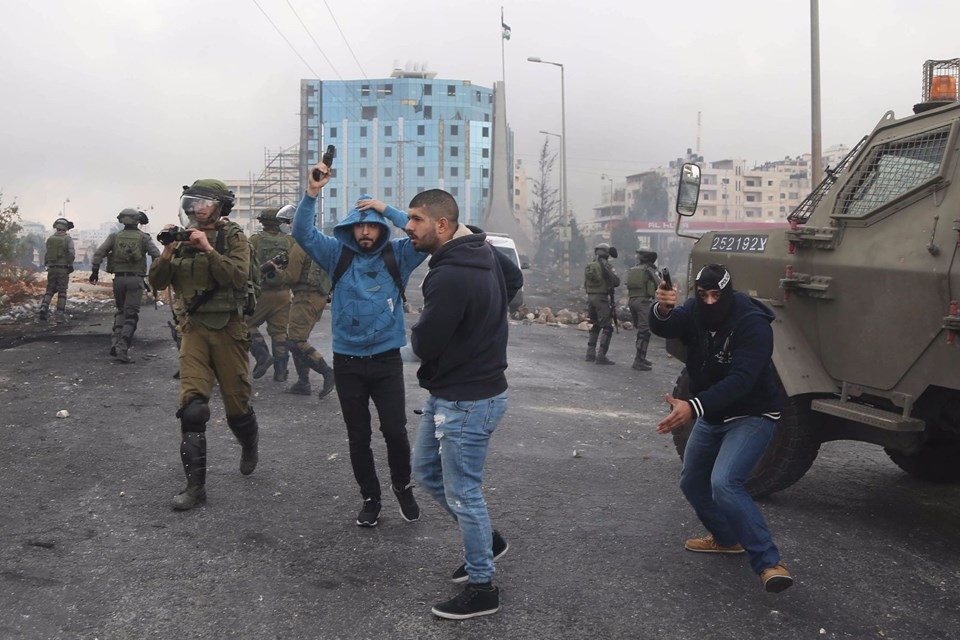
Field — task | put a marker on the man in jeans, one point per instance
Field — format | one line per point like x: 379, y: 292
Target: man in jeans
x: 461, y: 340
x: 736, y: 402
x: 368, y: 330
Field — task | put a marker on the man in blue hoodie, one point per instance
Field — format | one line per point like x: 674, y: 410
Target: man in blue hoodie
x: 368, y: 331
x: 736, y: 402
x: 461, y: 340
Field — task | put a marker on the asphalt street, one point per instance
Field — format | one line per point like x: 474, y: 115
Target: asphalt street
x: 577, y: 481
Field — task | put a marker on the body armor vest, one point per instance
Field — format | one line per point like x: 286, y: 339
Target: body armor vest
x: 266, y: 246
x: 128, y: 254
x: 57, y: 254
x: 191, y: 275
x: 642, y: 282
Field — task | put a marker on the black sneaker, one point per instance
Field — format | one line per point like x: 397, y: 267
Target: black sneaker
x: 475, y: 600
x: 369, y: 513
x: 500, y: 547
x: 409, y: 509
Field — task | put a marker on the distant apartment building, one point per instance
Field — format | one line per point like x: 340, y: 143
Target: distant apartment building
x: 401, y: 135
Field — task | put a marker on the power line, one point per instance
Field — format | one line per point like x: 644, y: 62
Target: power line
x: 349, y: 48
x: 289, y: 44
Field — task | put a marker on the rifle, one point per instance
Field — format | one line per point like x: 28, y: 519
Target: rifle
x: 275, y: 264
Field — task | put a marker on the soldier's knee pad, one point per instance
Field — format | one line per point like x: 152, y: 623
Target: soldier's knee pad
x: 194, y: 415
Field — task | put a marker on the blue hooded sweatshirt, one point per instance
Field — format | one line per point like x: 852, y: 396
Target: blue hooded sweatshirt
x: 730, y: 370
x: 367, y: 309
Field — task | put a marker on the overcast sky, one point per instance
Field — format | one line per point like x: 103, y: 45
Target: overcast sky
x: 117, y: 104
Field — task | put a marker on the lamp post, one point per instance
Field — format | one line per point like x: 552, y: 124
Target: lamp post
x: 565, y: 231
x: 64, y: 209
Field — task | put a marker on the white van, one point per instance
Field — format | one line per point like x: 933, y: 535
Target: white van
x: 505, y: 245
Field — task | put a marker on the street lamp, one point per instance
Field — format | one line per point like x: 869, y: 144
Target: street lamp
x: 563, y: 172
x: 64, y: 210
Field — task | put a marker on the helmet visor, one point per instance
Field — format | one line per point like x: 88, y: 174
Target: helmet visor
x: 197, y: 204
x: 285, y: 214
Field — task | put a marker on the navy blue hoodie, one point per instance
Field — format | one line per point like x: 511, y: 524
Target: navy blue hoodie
x: 731, y: 374
x: 461, y: 337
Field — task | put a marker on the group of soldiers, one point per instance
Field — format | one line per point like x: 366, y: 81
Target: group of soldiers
x: 601, y: 282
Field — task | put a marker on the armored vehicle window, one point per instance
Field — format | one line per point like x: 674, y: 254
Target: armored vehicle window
x: 892, y: 170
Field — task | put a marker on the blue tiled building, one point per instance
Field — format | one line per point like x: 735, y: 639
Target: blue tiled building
x: 401, y: 135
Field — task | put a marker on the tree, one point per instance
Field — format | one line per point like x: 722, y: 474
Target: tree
x: 624, y: 237
x: 30, y: 245
x: 652, y: 202
x: 578, y: 247
x: 9, y: 228
x: 545, y: 210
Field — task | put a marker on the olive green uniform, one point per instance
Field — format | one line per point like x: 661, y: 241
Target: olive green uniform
x: 600, y: 280
x: 214, y: 347
x: 126, y: 253
x: 58, y: 259
x: 273, y: 305
x: 310, y: 288
x: 642, y: 283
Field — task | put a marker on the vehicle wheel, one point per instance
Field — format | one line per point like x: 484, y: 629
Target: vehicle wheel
x: 791, y: 454
x: 939, y: 458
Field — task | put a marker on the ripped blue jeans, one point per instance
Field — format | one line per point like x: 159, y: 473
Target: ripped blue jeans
x: 448, y: 458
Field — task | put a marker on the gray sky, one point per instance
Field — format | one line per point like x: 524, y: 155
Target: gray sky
x: 119, y: 103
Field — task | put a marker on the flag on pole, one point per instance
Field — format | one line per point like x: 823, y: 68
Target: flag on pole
x: 506, y: 29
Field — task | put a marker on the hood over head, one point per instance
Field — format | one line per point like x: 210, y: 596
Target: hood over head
x: 344, y: 230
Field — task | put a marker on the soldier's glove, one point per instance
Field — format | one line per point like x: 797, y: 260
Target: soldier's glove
x: 95, y: 275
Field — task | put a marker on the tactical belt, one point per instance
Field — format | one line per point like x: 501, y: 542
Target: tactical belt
x: 123, y: 274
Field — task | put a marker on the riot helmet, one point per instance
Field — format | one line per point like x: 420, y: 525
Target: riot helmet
x: 204, y: 193
x: 645, y: 256
x: 130, y: 217
x: 62, y: 224
x: 268, y: 218
x: 604, y: 250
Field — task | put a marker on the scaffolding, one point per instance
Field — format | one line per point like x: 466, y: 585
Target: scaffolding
x: 278, y: 184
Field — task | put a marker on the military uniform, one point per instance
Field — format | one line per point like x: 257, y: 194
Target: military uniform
x: 126, y: 253
x: 58, y: 259
x: 310, y: 290
x: 215, y: 341
x: 642, y: 283
x: 600, y: 280
x: 273, y: 305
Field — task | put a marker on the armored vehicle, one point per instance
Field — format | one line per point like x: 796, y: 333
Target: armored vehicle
x: 865, y: 285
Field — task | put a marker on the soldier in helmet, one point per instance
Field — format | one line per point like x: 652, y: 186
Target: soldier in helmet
x: 126, y: 252
x: 273, y: 305
x: 310, y: 291
x: 600, y: 280
x: 211, y: 273
x: 642, y: 283
x: 58, y: 258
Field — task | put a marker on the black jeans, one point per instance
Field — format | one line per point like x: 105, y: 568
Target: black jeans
x: 378, y: 378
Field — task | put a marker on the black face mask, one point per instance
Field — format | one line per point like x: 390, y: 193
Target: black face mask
x: 712, y: 316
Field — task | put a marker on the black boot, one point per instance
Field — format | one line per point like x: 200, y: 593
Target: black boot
x: 247, y: 432
x: 120, y: 351
x: 281, y: 358
x: 193, y: 456
x: 329, y: 382
x: 302, y: 386
x: 639, y: 364
x: 592, y: 346
x: 644, y: 344
x: 604, y: 345
x: 258, y: 349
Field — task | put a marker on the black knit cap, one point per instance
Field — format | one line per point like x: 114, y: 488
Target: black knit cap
x: 714, y: 277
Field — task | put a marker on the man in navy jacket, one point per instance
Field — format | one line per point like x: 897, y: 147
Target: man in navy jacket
x: 461, y: 340
x: 736, y: 402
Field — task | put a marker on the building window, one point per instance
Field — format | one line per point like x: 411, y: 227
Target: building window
x: 333, y: 132
x: 421, y: 129
x: 483, y: 192
x: 516, y: 192
x: 478, y: 96
x: 387, y: 90
x: 485, y: 173
x: 363, y: 171
x: 451, y: 90
x: 388, y: 192
x: 363, y: 132
x: 364, y: 90
x: 421, y: 189
x: 454, y: 172
x: 454, y: 152
x: 388, y: 172
x: 485, y: 132
x: 388, y: 131
x: 421, y: 172
x: 333, y: 212
x: 454, y: 130
x: 454, y: 191
x: 428, y: 113
x: 333, y: 174
x: 368, y: 113
x: 363, y: 152
x: 428, y: 89
x: 421, y: 152
x: 486, y: 117
x: 485, y: 153
x: 333, y: 192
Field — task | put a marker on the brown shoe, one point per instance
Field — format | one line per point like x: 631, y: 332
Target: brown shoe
x: 776, y: 578
x: 708, y: 545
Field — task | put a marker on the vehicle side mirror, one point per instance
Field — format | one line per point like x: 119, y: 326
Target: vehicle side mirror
x: 688, y: 193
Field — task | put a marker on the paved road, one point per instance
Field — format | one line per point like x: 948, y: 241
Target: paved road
x: 90, y: 549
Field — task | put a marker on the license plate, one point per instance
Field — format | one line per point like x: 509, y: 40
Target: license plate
x: 739, y: 244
